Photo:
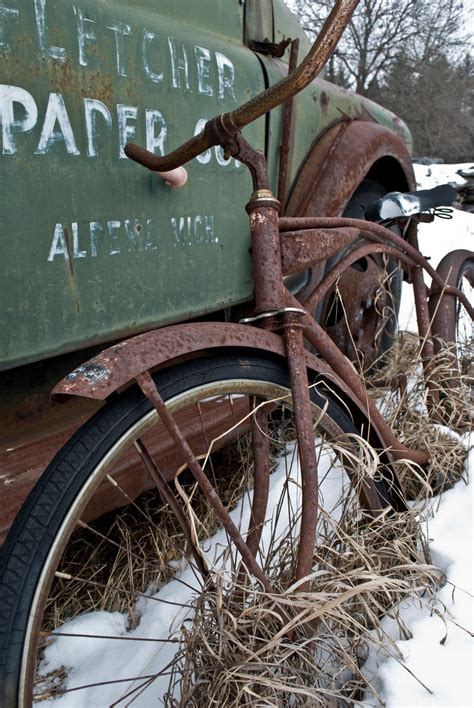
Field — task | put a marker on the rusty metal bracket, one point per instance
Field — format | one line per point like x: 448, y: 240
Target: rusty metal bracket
x: 303, y: 249
x: 273, y: 49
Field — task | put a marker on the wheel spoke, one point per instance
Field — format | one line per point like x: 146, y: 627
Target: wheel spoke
x: 169, y: 497
x: 62, y: 691
x: 107, y: 586
x: 108, y: 636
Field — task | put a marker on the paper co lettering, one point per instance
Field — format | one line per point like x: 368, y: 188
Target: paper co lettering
x: 48, y: 125
x: 164, y: 60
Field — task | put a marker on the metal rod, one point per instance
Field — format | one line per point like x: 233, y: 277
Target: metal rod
x: 341, y: 366
x: 378, y: 233
x: 170, y: 499
x: 286, y: 131
x: 293, y: 334
x: 148, y: 387
x: 261, y: 476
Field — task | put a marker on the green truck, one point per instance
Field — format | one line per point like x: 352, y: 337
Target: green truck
x: 95, y: 249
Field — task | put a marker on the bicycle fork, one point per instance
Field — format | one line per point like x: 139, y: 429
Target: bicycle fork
x: 273, y: 313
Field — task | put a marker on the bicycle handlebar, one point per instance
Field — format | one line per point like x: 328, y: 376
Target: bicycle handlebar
x: 277, y: 94
x: 396, y: 205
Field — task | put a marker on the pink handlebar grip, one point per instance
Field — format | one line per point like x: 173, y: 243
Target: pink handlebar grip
x: 175, y: 178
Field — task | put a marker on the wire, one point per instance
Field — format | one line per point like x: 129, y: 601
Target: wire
x: 443, y: 212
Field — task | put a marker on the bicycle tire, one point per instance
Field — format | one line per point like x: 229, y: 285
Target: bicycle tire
x: 450, y: 321
x: 33, y: 551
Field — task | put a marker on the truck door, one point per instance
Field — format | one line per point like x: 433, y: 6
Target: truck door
x: 93, y: 246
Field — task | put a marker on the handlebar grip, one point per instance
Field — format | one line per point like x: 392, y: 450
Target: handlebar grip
x: 193, y: 147
x: 175, y: 178
x: 443, y: 195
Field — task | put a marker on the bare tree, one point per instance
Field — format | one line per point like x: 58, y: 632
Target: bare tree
x: 436, y: 99
x: 381, y: 30
x: 410, y: 56
x: 440, y: 31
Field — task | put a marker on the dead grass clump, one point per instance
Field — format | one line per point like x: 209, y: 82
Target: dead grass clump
x: 446, y: 465
x: 246, y: 647
x: 421, y: 422
x: 401, y: 391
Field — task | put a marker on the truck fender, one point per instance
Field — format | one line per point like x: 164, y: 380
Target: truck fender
x: 348, y: 153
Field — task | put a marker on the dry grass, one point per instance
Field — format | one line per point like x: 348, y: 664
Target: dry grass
x: 246, y: 647
x: 138, y: 548
x: 306, y: 649
x: 419, y: 422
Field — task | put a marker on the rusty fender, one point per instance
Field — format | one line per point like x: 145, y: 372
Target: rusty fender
x: 340, y: 160
x: 117, y: 367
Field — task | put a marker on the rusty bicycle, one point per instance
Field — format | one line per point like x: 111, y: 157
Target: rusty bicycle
x: 234, y: 448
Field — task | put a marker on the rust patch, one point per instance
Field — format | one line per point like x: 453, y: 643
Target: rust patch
x: 67, y: 79
x: 70, y: 253
x: 100, y: 86
x: 64, y: 78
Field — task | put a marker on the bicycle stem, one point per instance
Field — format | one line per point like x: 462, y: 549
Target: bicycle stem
x: 229, y: 124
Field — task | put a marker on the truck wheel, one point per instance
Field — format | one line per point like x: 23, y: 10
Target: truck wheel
x: 360, y: 314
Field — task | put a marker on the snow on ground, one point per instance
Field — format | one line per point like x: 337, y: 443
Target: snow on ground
x: 441, y: 236
x: 434, y: 667
x: 440, y: 652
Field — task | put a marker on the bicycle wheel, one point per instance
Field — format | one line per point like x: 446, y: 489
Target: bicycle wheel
x: 450, y: 321
x: 124, y: 584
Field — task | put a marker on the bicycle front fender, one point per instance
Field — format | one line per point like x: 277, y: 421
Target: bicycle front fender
x: 116, y: 368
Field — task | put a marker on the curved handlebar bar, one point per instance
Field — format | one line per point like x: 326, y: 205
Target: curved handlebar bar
x: 277, y: 94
